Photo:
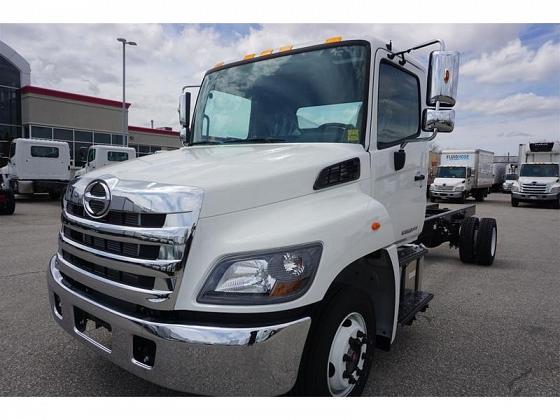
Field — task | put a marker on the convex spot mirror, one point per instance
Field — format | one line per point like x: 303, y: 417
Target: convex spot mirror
x: 443, y: 78
x: 443, y: 120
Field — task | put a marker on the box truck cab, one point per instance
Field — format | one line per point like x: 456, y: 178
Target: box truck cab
x: 101, y: 155
x: 539, y: 175
x: 37, y: 166
x: 463, y: 173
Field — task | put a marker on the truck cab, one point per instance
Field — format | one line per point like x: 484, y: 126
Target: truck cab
x: 279, y: 247
x: 37, y: 166
x: 539, y: 175
x: 101, y: 155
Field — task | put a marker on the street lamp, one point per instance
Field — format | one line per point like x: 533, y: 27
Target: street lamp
x: 124, y: 125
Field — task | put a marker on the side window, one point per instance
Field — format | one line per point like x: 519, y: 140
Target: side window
x: 226, y: 115
x: 91, y: 155
x: 398, y: 110
x: 117, y: 156
x: 44, y: 151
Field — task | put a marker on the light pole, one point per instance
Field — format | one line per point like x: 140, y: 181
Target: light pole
x: 124, y: 125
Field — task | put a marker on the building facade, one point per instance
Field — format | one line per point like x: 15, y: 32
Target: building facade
x: 81, y: 120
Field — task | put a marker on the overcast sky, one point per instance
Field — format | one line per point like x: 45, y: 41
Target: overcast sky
x: 509, y: 91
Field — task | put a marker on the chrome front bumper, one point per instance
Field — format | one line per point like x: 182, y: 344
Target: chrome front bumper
x: 206, y: 360
x: 446, y: 194
x: 522, y: 196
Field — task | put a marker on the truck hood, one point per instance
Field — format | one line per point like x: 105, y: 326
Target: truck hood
x: 239, y: 177
x: 451, y: 182
x: 539, y: 180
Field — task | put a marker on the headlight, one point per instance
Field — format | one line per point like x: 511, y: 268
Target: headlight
x: 262, y: 278
x: 459, y: 188
x: 515, y: 187
x: 555, y: 190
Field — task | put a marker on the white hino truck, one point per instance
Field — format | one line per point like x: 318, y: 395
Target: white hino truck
x: 539, y: 174
x: 463, y: 173
x: 37, y: 166
x: 101, y: 155
x: 285, y: 241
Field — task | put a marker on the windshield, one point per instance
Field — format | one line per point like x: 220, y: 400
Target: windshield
x: 451, y: 172
x: 311, y: 96
x: 541, y: 170
x: 510, y: 177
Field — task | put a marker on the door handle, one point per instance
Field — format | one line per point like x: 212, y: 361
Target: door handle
x: 419, y: 177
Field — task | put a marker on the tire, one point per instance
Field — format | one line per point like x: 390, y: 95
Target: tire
x: 432, y: 199
x: 486, y: 241
x: 556, y: 203
x: 514, y: 202
x: 467, y: 240
x: 10, y: 205
x: 479, y: 196
x: 334, y: 340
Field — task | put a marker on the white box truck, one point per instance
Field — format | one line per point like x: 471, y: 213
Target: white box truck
x: 510, y: 177
x: 462, y: 174
x: 539, y: 174
x: 102, y: 155
x: 37, y: 166
x: 285, y: 241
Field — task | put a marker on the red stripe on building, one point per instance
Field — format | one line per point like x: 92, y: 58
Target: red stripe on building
x: 71, y: 96
x: 153, y: 131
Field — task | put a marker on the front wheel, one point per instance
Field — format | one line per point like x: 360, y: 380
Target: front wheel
x: 339, y: 351
x: 9, y: 205
x: 514, y: 202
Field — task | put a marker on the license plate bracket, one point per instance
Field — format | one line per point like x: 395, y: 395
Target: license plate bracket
x: 93, y: 329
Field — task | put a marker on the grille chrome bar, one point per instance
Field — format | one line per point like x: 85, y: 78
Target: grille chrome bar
x: 156, y: 268
x: 148, y: 298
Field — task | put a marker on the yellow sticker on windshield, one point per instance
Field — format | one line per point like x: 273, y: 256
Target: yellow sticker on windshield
x: 353, y: 135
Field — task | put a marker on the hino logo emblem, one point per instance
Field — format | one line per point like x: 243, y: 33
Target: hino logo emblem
x: 97, y: 199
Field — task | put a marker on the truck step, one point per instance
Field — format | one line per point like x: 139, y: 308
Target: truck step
x: 411, y: 303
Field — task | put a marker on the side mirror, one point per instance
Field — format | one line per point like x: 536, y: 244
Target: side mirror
x: 185, y: 109
x: 443, y: 120
x: 443, y: 78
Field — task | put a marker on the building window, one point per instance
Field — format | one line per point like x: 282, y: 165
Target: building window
x: 62, y: 134
x: 44, y: 151
x: 118, y: 139
x: 9, y: 74
x: 38, y: 132
x: 10, y: 107
x: 102, y: 138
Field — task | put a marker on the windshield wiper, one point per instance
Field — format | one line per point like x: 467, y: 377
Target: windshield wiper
x: 257, y: 140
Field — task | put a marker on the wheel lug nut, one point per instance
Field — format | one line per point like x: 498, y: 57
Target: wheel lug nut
x: 360, y: 334
x: 346, y: 358
x: 351, y: 380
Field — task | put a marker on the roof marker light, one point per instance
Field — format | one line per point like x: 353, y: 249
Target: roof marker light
x: 249, y: 56
x: 286, y: 48
x: 333, y: 39
x: 266, y: 52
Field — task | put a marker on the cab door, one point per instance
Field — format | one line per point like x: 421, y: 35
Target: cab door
x: 396, y: 118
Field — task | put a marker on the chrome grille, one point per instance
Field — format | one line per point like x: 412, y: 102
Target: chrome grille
x: 123, y: 255
x: 444, y: 187
x: 533, y: 188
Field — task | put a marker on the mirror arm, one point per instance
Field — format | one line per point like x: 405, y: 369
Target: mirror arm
x: 419, y: 46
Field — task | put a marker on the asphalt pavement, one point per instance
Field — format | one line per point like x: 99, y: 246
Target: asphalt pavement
x: 489, y: 331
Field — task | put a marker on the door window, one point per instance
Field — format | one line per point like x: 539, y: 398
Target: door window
x: 398, y: 111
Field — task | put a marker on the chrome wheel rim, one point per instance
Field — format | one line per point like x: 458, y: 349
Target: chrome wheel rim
x: 347, y: 355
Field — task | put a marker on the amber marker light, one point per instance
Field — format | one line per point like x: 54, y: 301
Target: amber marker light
x: 375, y: 226
x: 249, y: 56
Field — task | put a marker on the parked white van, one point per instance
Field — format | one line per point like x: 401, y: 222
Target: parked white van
x: 101, y: 155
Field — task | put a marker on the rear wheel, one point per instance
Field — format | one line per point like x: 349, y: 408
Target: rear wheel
x: 479, y: 196
x: 486, y: 241
x: 339, y: 351
x: 467, y: 239
x: 514, y: 202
